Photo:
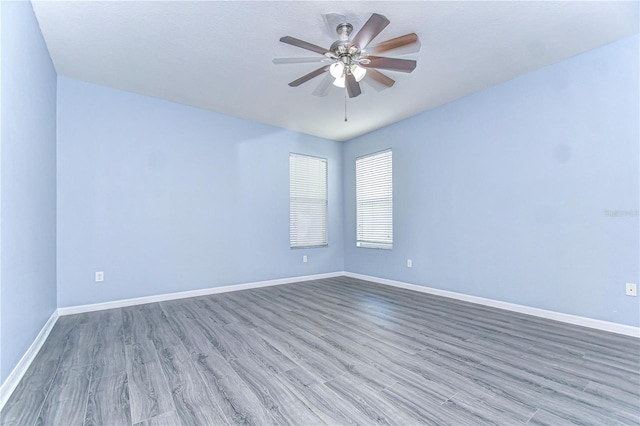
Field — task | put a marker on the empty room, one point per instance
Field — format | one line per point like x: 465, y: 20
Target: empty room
x: 318, y: 212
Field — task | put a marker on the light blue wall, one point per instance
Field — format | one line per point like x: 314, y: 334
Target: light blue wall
x: 27, y: 185
x: 166, y: 198
x: 503, y: 194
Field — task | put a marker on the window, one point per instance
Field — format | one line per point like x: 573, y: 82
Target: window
x: 374, y: 201
x: 307, y: 201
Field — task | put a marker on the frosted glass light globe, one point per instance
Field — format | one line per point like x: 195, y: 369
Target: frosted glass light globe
x: 337, y: 69
x: 358, y: 72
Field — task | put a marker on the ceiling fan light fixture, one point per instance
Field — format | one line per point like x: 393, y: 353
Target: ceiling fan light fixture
x: 339, y: 82
x: 337, y: 70
x: 358, y: 72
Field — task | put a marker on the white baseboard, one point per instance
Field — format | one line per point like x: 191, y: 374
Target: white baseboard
x: 192, y: 293
x: 15, y: 376
x: 613, y: 327
x: 627, y: 330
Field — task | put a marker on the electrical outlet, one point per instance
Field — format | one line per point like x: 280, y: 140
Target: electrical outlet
x: 304, y: 259
x: 409, y: 263
x: 99, y: 277
x: 631, y: 289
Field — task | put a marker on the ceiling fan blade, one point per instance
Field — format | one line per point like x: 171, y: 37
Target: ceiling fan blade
x: 304, y: 60
x: 353, y: 87
x: 323, y: 87
x: 378, y: 80
x: 309, y: 76
x: 304, y: 45
x: 369, y: 31
x: 391, y: 64
x: 394, y: 43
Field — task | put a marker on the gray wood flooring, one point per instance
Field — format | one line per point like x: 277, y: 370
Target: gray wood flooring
x: 334, y: 351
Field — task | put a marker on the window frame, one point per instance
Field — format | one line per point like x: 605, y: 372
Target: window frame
x: 376, y: 219
x: 296, y: 239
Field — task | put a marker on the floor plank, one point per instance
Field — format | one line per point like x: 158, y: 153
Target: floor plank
x: 108, y: 401
x: 149, y: 393
x: 67, y: 398
x: 191, y: 397
x: 167, y: 419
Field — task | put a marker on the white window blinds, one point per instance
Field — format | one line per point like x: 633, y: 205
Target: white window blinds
x: 374, y: 200
x: 307, y: 201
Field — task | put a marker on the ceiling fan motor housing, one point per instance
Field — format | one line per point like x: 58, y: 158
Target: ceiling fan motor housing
x: 345, y: 54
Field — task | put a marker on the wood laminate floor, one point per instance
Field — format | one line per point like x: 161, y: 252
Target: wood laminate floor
x: 334, y: 351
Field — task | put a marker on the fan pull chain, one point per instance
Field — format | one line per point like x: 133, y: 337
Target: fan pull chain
x: 345, y: 106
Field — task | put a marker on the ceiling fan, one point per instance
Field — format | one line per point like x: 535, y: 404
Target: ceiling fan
x: 350, y: 60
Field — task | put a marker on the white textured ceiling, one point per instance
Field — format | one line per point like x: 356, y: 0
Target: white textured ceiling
x: 217, y: 55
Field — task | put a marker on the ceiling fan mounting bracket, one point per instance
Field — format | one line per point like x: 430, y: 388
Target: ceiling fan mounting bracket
x: 344, y: 31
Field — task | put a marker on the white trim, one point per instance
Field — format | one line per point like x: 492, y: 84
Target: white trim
x: 70, y: 310
x: 15, y: 376
x: 613, y: 327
